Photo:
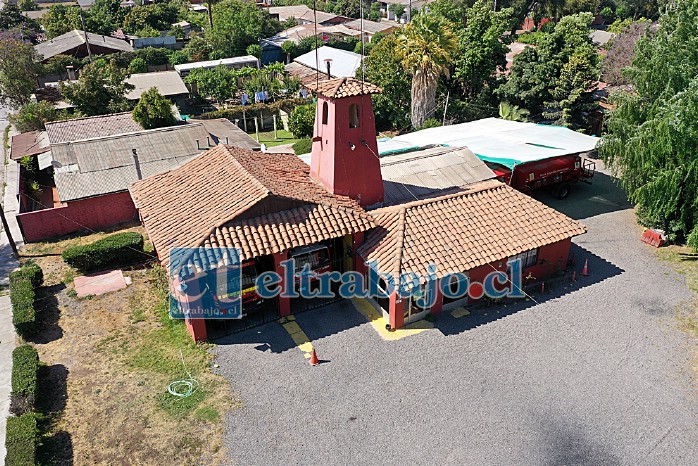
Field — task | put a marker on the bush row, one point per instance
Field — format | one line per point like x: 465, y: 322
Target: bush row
x: 118, y: 249
x: 25, y: 364
x: 21, y: 440
x: 23, y: 284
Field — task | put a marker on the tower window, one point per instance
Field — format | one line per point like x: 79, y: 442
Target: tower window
x: 325, y: 112
x: 354, y: 116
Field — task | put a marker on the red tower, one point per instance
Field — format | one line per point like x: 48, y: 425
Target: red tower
x: 345, y: 152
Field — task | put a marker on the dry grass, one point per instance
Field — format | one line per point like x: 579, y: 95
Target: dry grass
x: 685, y: 261
x: 120, y: 351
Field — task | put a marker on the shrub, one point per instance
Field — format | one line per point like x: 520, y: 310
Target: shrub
x: 25, y: 364
x: 303, y: 146
x: 121, y: 248
x: 33, y: 116
x: 251, y: 111
x: 302, y: 121
x: 137, y: 65
x: 32, y: 272
x: 22, y: 296
x: 22, y: 433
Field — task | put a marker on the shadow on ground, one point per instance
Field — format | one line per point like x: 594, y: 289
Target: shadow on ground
x: 47, y: 315
x: 57, y: 447
x: 484, y: 313
x: 603, y: 196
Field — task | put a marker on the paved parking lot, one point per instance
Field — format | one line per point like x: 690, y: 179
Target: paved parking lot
x: 597, y: 373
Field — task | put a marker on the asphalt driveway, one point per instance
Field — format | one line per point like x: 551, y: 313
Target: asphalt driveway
x: 596, y: 373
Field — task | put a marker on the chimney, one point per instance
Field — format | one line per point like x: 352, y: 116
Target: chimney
x: 137, y: 163
x: 328, y: 62
x: 197, y: 145
x: 208, y: 141
x: 71, y: 72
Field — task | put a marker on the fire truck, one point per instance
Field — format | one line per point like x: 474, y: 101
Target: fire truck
x: 554, y: 173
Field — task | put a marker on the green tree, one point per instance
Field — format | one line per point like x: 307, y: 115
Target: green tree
x: 375, y: 12
x: 33, y: 116
x: 384, y: 68
x: 512, y: 112
x: 19, y: 68
x: 27, y: 5
x: 302, y: 121
x: 219, y: 83
x: 198, y: 48
x: 61, y: 19
x: 254, y: 49
x: 138, y: 65
x: 147, y: 31
x: 397, y: 9
x: 153, y: 110
x: 100, y: 89
x: 650, y: 135
x: 426, y: 48
x: 553, y: 78
x: 104, y: 17
x: 179, y: 57
x: 238, y: 24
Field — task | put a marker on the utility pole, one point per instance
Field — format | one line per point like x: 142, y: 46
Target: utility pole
x: 9, y: 235
x: 87, y: 40
x: 210, y: 13
x: 409, y: 13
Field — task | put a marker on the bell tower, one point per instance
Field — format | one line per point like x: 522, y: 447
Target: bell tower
x: 345, y: 151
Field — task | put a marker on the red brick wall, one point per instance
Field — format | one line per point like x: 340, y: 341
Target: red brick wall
x: 94, y: 213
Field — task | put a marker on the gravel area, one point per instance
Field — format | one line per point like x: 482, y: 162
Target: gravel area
x: 594, y: 373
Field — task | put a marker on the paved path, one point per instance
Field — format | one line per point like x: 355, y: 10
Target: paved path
x: 595, y: 374
x: 8, y: 174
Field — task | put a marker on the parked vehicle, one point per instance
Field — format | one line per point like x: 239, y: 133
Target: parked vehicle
x: 555, y: 173
x: 248, y: 288
x: 316, y: 256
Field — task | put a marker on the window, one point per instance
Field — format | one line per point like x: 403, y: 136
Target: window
x: 527, y: 258
x: 325, y: 112
x: 354, y: 116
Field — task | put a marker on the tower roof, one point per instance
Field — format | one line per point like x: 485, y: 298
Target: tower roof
x: 344, y: 87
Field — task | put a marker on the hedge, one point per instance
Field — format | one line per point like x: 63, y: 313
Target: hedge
x: 25, y: 364
x: 118, y: 249
x: 254, y: 110
x: 32, y: 272
x: 304, y: 146
x: 22, y: 297
x: 21, y: 439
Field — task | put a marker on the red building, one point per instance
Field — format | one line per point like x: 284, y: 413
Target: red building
x: 398, y: 214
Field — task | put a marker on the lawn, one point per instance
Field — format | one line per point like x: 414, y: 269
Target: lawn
x: 118, y: 353
x: 282, y: 137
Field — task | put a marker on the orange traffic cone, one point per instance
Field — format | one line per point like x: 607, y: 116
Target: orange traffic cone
x: 314, y: 361
x: 585, y: 270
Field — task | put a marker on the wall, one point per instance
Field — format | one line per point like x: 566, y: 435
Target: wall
x: 86, y: 214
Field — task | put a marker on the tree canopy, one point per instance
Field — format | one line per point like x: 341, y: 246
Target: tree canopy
x: 651, y: 134
x: 19, y: 69
x: 153, y: 110
x: 238, y: 24
x: 100, y: 89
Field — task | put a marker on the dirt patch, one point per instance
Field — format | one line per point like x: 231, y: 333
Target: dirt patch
x: 109, y: 360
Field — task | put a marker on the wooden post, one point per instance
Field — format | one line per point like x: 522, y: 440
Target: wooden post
x: 244, y: 121
x: 256, y: 128
x: 275, y: 135
x: 9, y: 235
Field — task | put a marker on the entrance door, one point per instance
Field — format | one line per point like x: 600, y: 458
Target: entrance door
x: 413, y: 312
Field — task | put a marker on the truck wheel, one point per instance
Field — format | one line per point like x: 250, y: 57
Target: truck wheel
x: 562, y: 191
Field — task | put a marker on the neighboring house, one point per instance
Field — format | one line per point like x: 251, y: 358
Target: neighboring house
x: 515, y: 48
x: 94, y: 160
x: 342, y: 64
x: 168, y: 83
x: 74, y: 43
x: 29, y: 144
x: 305, y: 15
x: 600, y: 37
x: 371, y: 28
x: 272, y: 46
x: 397, y: 214
x: 167, y: 42
x: 415, y: 4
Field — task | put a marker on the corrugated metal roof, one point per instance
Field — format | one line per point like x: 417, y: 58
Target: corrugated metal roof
x: 343, y: 65
x: 168, y: 83
x: 415, y: 175
x: 91, y: 127
x: 247, y: 60
x: 72, y: 39
x: 371, y: 27
x: 223, y: 131
x: 29, y: 143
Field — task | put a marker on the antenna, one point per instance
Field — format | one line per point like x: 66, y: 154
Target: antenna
x: 317, y: 64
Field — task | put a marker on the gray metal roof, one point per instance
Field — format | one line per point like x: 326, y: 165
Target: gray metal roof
x: 91, y: 127
x: 72, y: 39
x: 168, y: 83
x: 343, y: 62
x: 371, y: 27
x: 104, y: 165
x: 424, y: 173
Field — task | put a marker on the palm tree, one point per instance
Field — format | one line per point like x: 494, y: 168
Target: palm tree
x: 512, y: 112
x: 426, y: 49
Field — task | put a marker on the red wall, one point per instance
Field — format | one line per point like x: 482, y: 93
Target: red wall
x: 94, y: 213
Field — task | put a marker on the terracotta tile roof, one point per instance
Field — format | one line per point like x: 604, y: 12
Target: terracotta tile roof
x: 486, y: 222
x: 198, y: 204
x: 344, y: 87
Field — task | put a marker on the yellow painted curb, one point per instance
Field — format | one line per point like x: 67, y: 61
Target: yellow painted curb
x: 378, y: 322
x: 298, y: 336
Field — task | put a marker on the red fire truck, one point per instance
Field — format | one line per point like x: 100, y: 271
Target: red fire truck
x: 555, y: 173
